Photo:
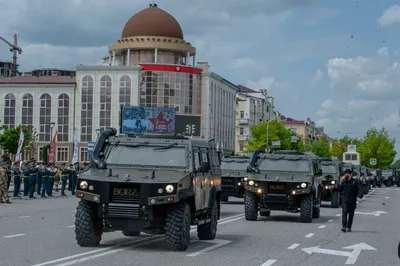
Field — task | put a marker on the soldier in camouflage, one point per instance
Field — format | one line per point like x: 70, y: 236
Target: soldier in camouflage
x: 3, y: 184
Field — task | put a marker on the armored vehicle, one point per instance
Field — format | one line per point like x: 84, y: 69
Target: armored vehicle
x: 397, y: 177
x: 233, y: 176
x: 388, y: 177
x: 283, y: 181
x: 156, y: 184
x: 331, y: 171
x: 377, y: 178
x: 363, y: 178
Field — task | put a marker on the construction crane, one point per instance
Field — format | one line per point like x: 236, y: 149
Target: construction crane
x: 13, y: 48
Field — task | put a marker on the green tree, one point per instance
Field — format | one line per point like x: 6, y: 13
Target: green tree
x: 378, y: 144
x: 9, y: 139
x: 321, y: 147
x: 340, y: 146
x: 276, y: 131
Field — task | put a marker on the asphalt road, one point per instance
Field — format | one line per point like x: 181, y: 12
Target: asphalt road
x: 40, y: 232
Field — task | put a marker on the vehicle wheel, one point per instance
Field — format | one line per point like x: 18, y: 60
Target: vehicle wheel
x: 306, y: 209
x: 398, y: 184
x: 131, y: 233
x: 177, y: 227
x: 208, y: 231
x: 224, y: 198
x: 88, y: 229
x: 317, y: 210
x: 250, y: 206
x: 335, y: 199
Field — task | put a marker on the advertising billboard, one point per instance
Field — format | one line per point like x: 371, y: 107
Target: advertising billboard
x: 188, y: 125
x: 139, y: 120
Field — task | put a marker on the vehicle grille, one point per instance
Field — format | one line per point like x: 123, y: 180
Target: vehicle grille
x: 125, y: 193
x: 276, y: 188
x: 122, y: 211
x: 227, y: 181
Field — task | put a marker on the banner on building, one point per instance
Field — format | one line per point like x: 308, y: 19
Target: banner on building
x: 51, y: 157
x: 138, y: 120
x: 20, y: 143
x: 75, y: 156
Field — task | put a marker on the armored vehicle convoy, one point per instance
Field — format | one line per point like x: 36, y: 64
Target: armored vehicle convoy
x: 156, y: 184
x: 331, y: 171
x: 233, y: 176
x: 283, y: 181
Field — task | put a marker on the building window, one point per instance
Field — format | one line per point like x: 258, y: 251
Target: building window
x: 27, y: 155
x: 294, y: 130
x: 63, y: 118
x: 105, y: 103
x: 62, y: 154
x: 87, y: 109
x: 83, y: 155
x: 45, y: 117
x: 27, y: 110
x: 125, y: 87
x: 241, y: 131
x: 40, y: 153
x: 9, y: 111
x: 241, y: 114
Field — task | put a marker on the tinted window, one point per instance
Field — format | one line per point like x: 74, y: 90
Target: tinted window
x: 234, y: 165
x: 285, y: 165
x: 328, y: 169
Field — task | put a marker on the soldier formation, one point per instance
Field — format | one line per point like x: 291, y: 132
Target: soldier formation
x: 38, y: 177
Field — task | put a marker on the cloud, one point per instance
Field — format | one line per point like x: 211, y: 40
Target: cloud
x: 319, y: 75
x: 242, y: 63
x: 372, y: 78
x: 321, y: 14
x: 390, y: 122
x: 390, y: 16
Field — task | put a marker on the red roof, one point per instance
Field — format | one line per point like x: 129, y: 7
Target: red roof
x: 292, y: 121
x: 38, y: 80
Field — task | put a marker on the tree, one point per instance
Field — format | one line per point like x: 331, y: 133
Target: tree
x: 378, y: 144
x: 9, y: 139
x: 321, y: 147
x: 46, y: 150
x: 276, y: 131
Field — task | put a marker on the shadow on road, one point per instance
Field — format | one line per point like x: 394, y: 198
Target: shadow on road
x: 294, y: 218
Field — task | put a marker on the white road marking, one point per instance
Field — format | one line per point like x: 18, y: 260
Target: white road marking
x: 330, y: 221
x: 322, y: 226
x: 387, y: 197
x: 268, y: 262
x: 11, y: 236
x: 293, y: 246
x: 111, y: 250
x: 71, y: 226
x: 309, y: 235
x: 338, y: 215
x: 217, y: 244
x: 396, y: 189
x: 377, y: 213
x: 23, y: 217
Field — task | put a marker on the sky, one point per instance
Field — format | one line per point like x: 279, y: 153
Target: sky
x: 335, y: 61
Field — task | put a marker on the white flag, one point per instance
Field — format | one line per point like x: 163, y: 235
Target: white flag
x: 75, y: 156
x: 20, y: 143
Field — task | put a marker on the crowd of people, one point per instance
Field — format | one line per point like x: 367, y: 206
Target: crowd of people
x: 37, y: 177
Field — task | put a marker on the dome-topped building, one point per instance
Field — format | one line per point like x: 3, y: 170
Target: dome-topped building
x: 151, y: 36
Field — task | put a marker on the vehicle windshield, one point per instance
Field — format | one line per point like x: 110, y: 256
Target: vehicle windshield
x: 151, y: 155
x: 328, y: 169
x: 285, y: 165
x: 387, y: 172
x: 240, y: 165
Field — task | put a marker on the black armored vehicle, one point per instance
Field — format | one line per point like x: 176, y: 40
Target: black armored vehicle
x: 233, y: 176
x: 331, y: 171
x: 388, y: 177
x: 397, y: 177
x: 283, y: 181
x: 157, y: 184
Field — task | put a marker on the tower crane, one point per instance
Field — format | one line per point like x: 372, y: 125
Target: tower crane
x: 15, y: 49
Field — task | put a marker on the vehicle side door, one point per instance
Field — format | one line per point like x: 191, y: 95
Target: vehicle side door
x: 198, y: 178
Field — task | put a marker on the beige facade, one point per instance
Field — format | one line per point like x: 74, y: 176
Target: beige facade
x: 304, y: 129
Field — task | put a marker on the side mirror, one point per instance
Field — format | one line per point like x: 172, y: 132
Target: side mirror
x: 204, y: 167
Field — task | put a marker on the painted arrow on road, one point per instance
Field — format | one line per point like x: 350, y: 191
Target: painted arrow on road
x: 351, y: 256
x: 377, y: 213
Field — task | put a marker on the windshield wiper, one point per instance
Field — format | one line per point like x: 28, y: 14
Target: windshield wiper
x: 166, y: 147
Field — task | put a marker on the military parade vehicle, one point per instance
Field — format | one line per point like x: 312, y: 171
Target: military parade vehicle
x: 396, y: 179
x: 363, y: 178
x: 387, y: 177
x: 156, y: 184
x: 288, y: 181
x: 331, y: 171
x: 377, y: 178
x: 233, y: 176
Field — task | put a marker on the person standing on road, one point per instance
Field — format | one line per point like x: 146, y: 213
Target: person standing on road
x: 3, y: 184
x: 33, y: 176
x: 17, y: 179
x: 74, y: 178
x: 351, y: 191
x: 25, y: 177
x: 64, y: 177
x: 50, y: 183
x: 9, y: 174
x: 44, y: 173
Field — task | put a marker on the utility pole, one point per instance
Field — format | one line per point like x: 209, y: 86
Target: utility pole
x: 266, y: 111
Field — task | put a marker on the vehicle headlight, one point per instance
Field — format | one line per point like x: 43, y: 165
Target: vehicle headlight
x: 333, y: 182
x: 91, y: 187
x: 160, y: 190
x: 303, y: 185
x: 245, y: 178
x: 251, y: 182
x: 169, y: 188
x: 83, y: 185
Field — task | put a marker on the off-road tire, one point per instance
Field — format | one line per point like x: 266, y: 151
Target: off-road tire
x: 131, y: 233
x: 335, y: 199
x: 88, y: 229
x: 317, y: 210
x: 177, y: 227
x: 306, y: 209
x: 250, y: 206
x: 208, y: 231
x: 224, y: 198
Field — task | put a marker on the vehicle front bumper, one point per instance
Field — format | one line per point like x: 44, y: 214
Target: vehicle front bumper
x: 232, y: 186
